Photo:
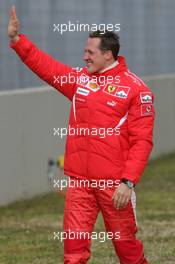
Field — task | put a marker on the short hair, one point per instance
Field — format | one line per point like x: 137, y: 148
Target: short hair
x: 109, y: 41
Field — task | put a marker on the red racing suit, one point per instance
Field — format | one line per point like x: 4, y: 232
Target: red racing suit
x: 110, y: 138
x: 115, y: 100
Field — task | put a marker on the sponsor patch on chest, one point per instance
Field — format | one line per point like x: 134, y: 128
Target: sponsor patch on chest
x: 93, y: 86
x: 111, y: 103
x: 117, y: 90
x: 122, y: 91
x: 83, y: 79
x: 82, y: 91
x: 80, y: 99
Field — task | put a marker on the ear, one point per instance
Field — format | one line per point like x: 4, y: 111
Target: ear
x: 108, y: 54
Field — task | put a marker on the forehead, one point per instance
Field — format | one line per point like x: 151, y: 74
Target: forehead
x: 92, y: 43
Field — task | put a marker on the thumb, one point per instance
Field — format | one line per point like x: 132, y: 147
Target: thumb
x: 114, y: 194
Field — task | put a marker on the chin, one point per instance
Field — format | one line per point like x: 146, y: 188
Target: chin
x: 91, y: 70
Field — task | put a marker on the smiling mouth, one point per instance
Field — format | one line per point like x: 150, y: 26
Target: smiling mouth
x: 89, y: 64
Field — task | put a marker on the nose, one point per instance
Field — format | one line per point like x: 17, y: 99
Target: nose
x: 86, y: 57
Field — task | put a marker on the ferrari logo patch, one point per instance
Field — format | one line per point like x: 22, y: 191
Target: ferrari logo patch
x: 146, y: 110
x: 110, y: 89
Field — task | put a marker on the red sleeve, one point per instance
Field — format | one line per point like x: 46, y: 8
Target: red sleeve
x: 140, y: 129
x: 48, y: 69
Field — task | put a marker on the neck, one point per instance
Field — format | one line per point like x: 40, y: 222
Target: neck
x: 110, y: 66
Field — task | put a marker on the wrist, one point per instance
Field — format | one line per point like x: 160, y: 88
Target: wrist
x: 128, y: 183
x: 14, y: 39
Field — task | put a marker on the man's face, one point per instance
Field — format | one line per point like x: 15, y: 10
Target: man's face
x: 95, y: 59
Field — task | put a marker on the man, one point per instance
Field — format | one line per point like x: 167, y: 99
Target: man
x: 104, y: 94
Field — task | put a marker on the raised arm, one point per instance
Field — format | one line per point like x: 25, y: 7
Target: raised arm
x: 56, y: 74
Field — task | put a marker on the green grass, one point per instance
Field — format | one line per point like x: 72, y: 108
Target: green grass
x: 27, y: 227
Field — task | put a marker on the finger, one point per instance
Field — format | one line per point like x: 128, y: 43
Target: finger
x: 114, y: 193
x: 117, y: 199
x: 113, y: 196
x: 13, y: 13
x: 123, y: 201
x: 120, y: 202
x: 127, y: 200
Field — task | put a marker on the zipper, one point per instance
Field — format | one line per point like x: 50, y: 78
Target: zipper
x: 74, y: 108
